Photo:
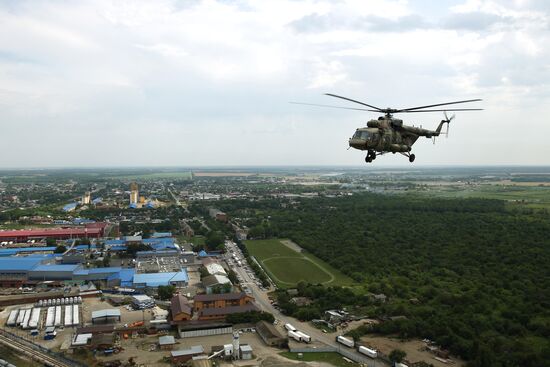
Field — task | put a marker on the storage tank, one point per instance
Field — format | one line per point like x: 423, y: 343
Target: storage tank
x: 20, y: 317
x: 26, y: 319
x: 343, y: 340
x: 368, y: 352
x: 35, y: 318
x: 76, y: 316
x: 68, y: 315
x: 12, y: 319
x: 236, y: 345
x: 57, y: 320
x: 50, y: 316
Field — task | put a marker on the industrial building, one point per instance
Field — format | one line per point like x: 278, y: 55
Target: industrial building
x: 91, y: 230
x: 142, y: 302
x: 204, y: 301
x: 212, y: 282
x: 180, y: 308
x: 184, y: 355
x: 134, y: 193
x: 219, y: 313
x: 153, y: 280
x: 106, y: 316
x: 270, y: 335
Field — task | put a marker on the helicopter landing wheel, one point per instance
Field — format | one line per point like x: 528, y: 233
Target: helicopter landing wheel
x: 368, y: 159
x: 411, y: 158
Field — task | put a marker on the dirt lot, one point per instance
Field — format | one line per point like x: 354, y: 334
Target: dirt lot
x: 145, y: 352
x: 126, y: 316
x: 414, y: 349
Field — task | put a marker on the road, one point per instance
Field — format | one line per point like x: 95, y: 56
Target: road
x: 263, y: 301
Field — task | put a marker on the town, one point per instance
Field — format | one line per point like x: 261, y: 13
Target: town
x: 206, y: 268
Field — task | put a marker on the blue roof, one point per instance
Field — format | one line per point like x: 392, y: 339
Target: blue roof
x: 150, y: 204
x: 125, y: 275
x: 97, y: 200
x: 203, y: 253
x: 19, y: 263
x: 157, y: 279
x: 97, y: 271
x: 16, y: 250
x: 161, y: 234
x: 115, y: 242
x: 161, y: 252
x: 132, y: 206
x: 149, y: 241
x: 70, y: 206
x: 52, y: 267
x: 118, y: 248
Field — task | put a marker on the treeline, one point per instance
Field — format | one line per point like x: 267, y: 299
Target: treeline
x: 466, y: 273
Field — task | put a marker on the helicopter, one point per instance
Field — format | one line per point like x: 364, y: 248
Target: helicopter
x: 388, y: 134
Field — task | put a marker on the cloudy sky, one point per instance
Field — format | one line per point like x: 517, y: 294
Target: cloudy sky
x: 191, y: 83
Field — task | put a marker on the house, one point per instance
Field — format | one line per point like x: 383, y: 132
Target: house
x: 203, y: 301
x: 180, y: 308
x: 219, y: 313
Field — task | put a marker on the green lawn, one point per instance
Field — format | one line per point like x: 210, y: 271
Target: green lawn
x: 333, y: 358
x: 287, y: 267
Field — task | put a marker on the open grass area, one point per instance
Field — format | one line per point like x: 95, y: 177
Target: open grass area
x: 332, y: 358
x: 517, y: 195
x: 287, y: 267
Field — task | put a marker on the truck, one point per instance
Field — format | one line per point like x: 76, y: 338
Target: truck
x: 289, y: 327
x: 345, y: 341
x: 294, y: 335
x: 305, y: 338
x: 367, y: 351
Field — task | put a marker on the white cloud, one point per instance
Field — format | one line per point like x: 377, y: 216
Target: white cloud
x: 208, y: 82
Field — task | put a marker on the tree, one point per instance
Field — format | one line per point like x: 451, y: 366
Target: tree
x: 60, y: 249
x: 51, y: 241
x: 397, y: 355
x: 214, y: 239
x: 165, y: 292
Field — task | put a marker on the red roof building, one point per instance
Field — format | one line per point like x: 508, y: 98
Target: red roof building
x: 94, y: 230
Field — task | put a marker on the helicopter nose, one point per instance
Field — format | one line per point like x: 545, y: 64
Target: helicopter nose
x: 357, y: 143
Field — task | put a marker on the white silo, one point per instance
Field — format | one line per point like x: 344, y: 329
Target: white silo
x: 235, y: 345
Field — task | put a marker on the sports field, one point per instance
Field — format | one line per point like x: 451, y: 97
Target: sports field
x: 287, y: 267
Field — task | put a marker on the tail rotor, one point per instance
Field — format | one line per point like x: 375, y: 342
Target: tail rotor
x: 448, y: 121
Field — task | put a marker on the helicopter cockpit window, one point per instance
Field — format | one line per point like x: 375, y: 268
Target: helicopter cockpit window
x: 361, y: 135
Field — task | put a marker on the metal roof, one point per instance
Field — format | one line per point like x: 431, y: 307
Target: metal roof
x: 196, y: 349
x: 246, y: 348
x: 167, y: 340
x: 161, y: 234
x: 110, y: 312
x: 52, y: 267
x: 157, y: 279
x: 18, y: 263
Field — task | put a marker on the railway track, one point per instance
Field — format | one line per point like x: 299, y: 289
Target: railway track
x: 31, y: 352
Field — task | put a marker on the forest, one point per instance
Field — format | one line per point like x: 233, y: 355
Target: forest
x: 466, y: 273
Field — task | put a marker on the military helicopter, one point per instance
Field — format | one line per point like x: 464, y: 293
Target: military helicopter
x: 388, y: 134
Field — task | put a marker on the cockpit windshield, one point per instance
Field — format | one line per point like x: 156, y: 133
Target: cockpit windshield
x: 361, y: 135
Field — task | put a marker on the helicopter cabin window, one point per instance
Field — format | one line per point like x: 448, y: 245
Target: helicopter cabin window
x: 361, y: 135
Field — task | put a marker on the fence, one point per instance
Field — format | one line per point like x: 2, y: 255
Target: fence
x: 348, y: 353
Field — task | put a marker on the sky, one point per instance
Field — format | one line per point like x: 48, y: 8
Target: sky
x: 208, y: 83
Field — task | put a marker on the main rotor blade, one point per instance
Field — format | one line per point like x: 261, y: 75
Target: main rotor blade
x: 340, y: 107
x: 354, y: 101
x: 451, y: 109
x: 439, y: 104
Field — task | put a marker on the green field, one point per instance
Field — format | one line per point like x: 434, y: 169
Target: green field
x: 287, y: 267
x: 333, y: 358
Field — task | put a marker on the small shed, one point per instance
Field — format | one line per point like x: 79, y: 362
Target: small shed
x: 246, y: 351
x: 167, y: 342
x: 183, y: 355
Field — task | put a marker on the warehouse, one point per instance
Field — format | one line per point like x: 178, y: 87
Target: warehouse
x: 219, y: 313
x: 153, y: 280
x: 15, y: 270
x: 270, y: 335
x: 53, y: 272
x: 191, y: 329
x: 93, y: 230
x: 95, y: 274
x: 180, y: 308
x: 212, y: 282
x: 203, y: 301
x: 106, y: 316
x: 180, y: 356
